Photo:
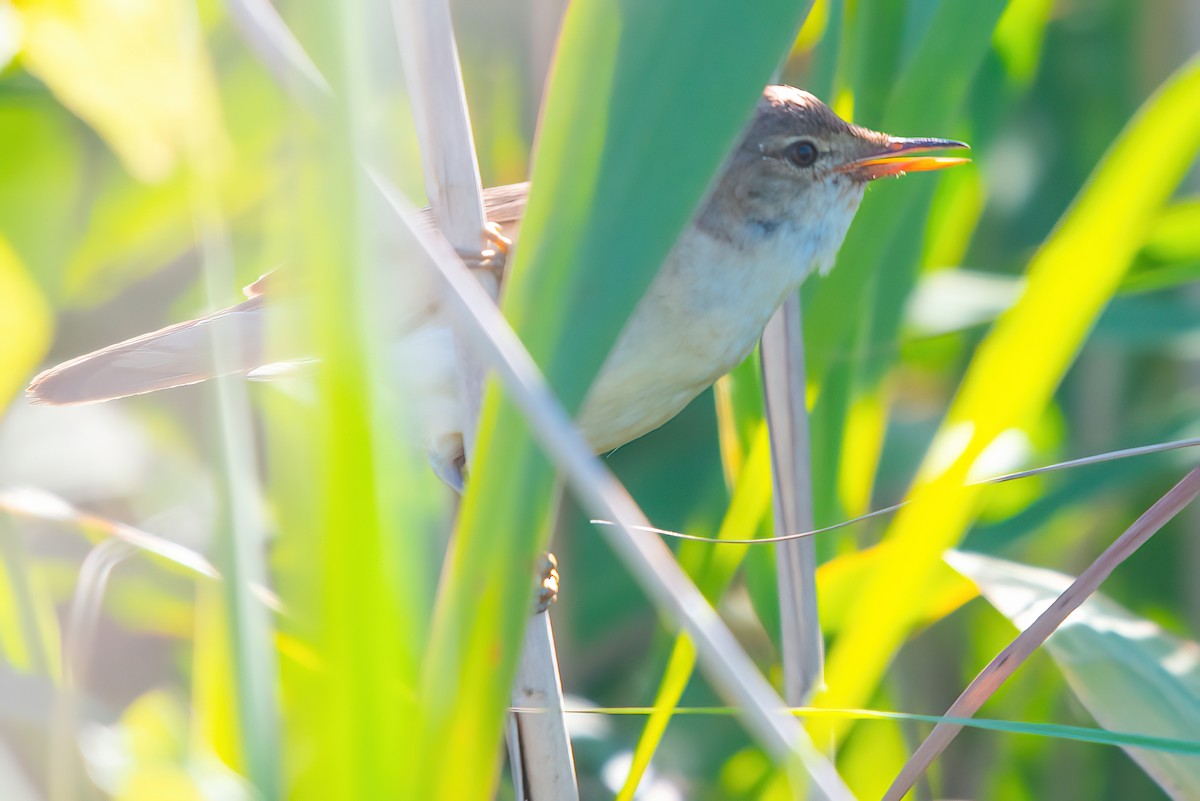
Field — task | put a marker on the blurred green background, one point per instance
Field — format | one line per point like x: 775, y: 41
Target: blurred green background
x: 124, y: 125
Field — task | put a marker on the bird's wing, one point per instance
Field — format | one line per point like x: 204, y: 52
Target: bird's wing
x: 170, y: 357
x: 181, y: 354
x: 505, y: 205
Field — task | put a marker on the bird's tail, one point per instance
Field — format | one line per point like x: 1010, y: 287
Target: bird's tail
x: 171, y: 357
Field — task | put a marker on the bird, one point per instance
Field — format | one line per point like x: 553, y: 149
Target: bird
x: 777, y: 212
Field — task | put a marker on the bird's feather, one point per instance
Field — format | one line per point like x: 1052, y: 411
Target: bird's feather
x: 182, y: 354
x: 170, y: 357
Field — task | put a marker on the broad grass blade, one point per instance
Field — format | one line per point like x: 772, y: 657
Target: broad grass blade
x: 644, y: 101
x: 1131, y: 674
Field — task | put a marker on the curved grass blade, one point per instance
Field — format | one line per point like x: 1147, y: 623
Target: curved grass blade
x: 39, y: 504
x: 1017, y: 368
x: 1083, y: 461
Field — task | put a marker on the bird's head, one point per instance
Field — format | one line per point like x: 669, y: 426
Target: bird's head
x: 800, y: 171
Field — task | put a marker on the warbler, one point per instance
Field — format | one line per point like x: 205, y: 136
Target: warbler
x: 777, y: 211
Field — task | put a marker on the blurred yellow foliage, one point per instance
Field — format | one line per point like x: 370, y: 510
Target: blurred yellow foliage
x: 25, y: 322
x: 136, y: 71
x: 150, y: 755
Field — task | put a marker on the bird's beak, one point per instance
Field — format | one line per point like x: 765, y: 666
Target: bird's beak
x: 897, y: 157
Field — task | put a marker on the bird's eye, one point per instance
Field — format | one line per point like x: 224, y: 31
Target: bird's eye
x: 802, y: 153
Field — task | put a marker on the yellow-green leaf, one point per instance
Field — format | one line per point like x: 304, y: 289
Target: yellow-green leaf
x: 25, y: 323
x: 1016, y: 370
x: 134, y: 71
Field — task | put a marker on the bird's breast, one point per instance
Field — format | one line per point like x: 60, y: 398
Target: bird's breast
x: 700, y: 317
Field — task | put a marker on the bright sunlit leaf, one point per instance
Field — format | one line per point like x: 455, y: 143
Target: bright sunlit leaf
x: 134, y: 71
x: 1017, y: 368
x: 10, y: 34
x: 25, y: 323
x: 148, y: 755
x: 866, y: 425
x: 1176, y: 233
x: 840, y: 579
x: 1018, y: 37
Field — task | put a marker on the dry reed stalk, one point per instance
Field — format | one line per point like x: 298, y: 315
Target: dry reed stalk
x: 791, y: 468
x: 542, y: 763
